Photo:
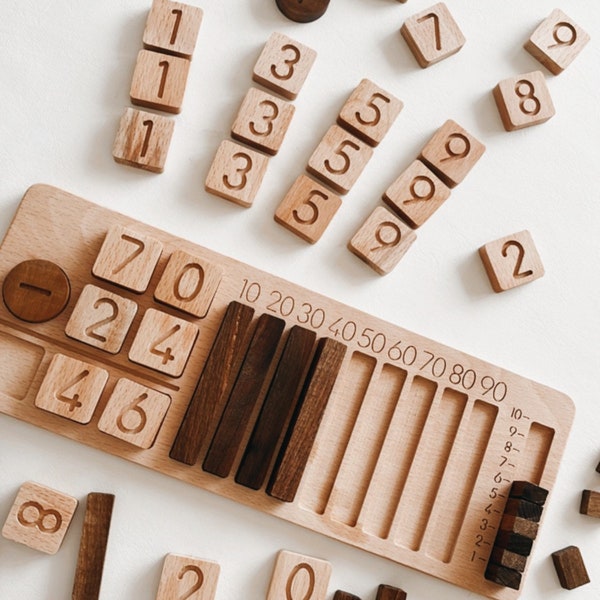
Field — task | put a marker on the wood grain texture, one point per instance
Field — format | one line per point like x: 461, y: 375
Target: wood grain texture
x: 277, y: 408
x: 510, y: 560
x: 528, y: 491
x: 388, y: 592
x: 188, y: 577
x: 305, y: 422
x: 244, y: 397
x: 504, y: 576
x: 590, y: 503
x: 299, y: 576
x: 341, y: 595
x: 524, y: 527
x: 557, y: 41
x: 39, y: 517
x: 303, y: 11
x: 213, y: 387
x: 570, y: 567
x: 523, y: 508
x: 514, y: 542
x: 92, y: 547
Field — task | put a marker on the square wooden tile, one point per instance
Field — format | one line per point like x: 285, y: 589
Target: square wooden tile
x: 189, y: 283
x: 101, y: 319
x: 39, y: 517
x: 71, y: 388
x: 236, y: 173
x: 188, y: 577
x: 284, y: 65
x: 172, y: 27
x: 134, y: 413
x: 159, y: 81
x: 163, y: 342
x: 143, y: 140
x: 127, y: 258
x: 299, y: 576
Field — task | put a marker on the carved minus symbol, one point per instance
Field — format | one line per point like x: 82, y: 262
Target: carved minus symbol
x: 35, y: 288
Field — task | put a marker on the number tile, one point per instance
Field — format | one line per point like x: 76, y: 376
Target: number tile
x: 236, y: 173
x: 71, y: 388
x: 127, y: 258
x: 339, y: 159
x: 388, y: 592
x: 299, y: 576
x: 590, y: 503
x: 432, y: 35
x: 172, y: 27
x: 416, y: 194
x: 163, y: 342
x: 382, y: 240
x: 557, y: 41
x: 283, y: 65
x: 262, y: 121
x: 523, y: 101
x: 369, y: 112
x: 159, y: 81
x: 511, y: 261
x: 451, y: 153
x: 188, y: 577
x: 39, y: 517
x: 570, y: 567
x: 189, y: 283
x: 143, y: 140
x: 134, y: 413
x: 307, y: 209
x: 101, y: 319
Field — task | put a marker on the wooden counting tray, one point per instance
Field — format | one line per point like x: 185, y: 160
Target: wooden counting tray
x: 417, y: 446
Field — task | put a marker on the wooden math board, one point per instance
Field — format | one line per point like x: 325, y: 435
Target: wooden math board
x: 384, y: 439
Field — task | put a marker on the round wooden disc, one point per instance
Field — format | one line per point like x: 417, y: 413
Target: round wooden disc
x: 303, y: 11
x: 36, y: 291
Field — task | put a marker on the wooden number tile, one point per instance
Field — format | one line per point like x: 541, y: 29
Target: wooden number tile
x: 432, y: 35
x: 339, y: 159
x: 159, y: 81
x: 188, y: 577
x: 303, y: 11
x: 277, y: 408
x: 570, y: 567
x: 307, y: 209
x: 523, y: 101
x: 71, y: 388
x: 127, y: 258
x: 134, y: 413
x: 299, y: 576
x: 503, y: 576
x: 101, y: 319
x: 451, y: 153
x: 528, y: 491
x: 36, y: 290
x: 416, y: 194
x: 244, y: 396
x: 262, y: 121
x: 172, y: 27
x: 382, y: 240
x: 303, y: 428
x: 163, y: 342
x: 511, y: 261
x: 92, y: 547
x: 189, y: 283
x: 143, y: 140
x: 341, y: 595
x: 369, y: 112
x: 39, y: 517
x: 388, y: 592
x: 236, y: 173
x: 212, y: 390
x: 283, y: 65
x: 557, y: 41
x: 590, y: 503
x: 510, y: 560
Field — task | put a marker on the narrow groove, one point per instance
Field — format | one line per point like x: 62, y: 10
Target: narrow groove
x: 537, y: 448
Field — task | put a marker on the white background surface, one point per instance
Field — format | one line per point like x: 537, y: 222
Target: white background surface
x: 65, y: 72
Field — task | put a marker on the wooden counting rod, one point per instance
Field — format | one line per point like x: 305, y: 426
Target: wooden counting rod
x: 570, y: 567
x: 92, y: 548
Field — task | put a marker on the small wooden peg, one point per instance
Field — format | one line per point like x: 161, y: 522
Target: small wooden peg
x: 570, y: 567
x: 557, y: 41
x: 39, y: 517
x: 299, y: 576
x: 523, y: 101
x: 590, y: 503
x: 511, y: 261
x: 303, y: 11
x: 172, y: 28
x: 188, y: 577
x: 143, y: 140
x: 432, y: 35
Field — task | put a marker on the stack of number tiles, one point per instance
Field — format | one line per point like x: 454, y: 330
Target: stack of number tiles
x: 237, y: 172
x: 517, y: 532
x: 159, y: 82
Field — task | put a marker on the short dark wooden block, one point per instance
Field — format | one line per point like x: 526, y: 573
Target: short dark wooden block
x: 92, y: 548
x: 508, y: 559
x: 340, y: 595
x: 590, y: 503
x: 305, y: 422
x: 528, y: 491
x: 303, y: 11
x: 215, y: 383
x: 388, y: 592
x: 519, y: 525
x: 570, y: 569
x: 503, y: 576
x: 524, y: 509
x: 514, y: 542
x: 244, y: 396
